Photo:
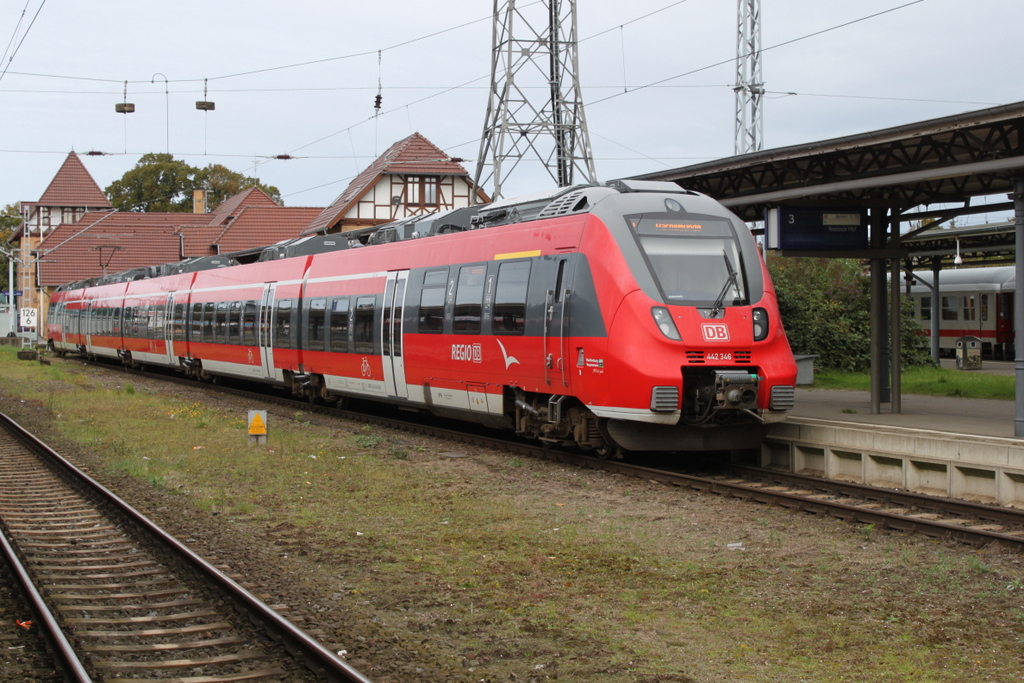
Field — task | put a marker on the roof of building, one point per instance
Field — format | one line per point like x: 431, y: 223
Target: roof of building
x: 252, y: 196
x: 262, y: 225
x: 107, y: 242
x: 73, y: 186
x: 414, y: 155
x: 250, y: 226
x: 938, y: 161
x: 125, y: 240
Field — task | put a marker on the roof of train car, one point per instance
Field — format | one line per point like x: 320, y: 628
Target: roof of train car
x: 990, y: 279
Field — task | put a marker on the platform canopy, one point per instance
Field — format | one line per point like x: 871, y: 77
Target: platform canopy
x: 948, y: 160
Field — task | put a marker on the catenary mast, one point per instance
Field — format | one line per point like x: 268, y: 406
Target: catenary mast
x: 535, y: 107
x: 749, y: 84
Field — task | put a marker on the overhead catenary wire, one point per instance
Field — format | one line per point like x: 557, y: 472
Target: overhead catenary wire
x: 23, y: 36
x: 621, y: 89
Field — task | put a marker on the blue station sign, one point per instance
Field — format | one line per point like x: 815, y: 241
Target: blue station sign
x: 809, y: 228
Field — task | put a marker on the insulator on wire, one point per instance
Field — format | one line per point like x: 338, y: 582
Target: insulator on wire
x: 376, y: 102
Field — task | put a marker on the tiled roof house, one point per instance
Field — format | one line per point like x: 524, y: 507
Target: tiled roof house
x: 73, y: 233
x: 71, y: 194
x: 104, y: 243
x: 412, y: 177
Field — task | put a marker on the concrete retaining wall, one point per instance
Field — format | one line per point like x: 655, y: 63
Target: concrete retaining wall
x: 982, y: 469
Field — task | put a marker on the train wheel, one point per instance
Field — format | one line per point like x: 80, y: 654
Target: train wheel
x: 609, y: 452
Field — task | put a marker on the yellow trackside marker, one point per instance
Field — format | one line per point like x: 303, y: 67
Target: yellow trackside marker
x: 517, y: 254
x: 257, y: 426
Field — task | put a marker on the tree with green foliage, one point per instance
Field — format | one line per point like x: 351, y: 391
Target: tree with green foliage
x: 825, y: 306
x: 161, y: 183
x: 10, y: 219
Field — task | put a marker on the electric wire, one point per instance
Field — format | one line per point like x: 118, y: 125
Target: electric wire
x: 784, y: 43
x: 23, y: 36
x: 14, y: 34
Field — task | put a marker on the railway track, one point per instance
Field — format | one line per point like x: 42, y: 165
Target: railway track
x: 136, y: 604
x: 957, y: 520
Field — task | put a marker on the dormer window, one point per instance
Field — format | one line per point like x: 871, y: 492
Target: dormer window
x: 421, y: 191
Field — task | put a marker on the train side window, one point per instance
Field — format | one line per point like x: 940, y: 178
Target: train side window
x: 431, y: 315
x: 560, y: 281
x: 159, y: 320
x: 127, y: 326
x: 178, y: 326
x: 363, y: 324
x: 220, y: 323
x: 396, y: 332
x: 209, y: 309
x: 317, y: 332
x: 339, y: 325
x: 283, y: 324
x: 510, y: 298
x: 950, y: 308
x: 468, y: 298
x: 234, y: 322
x: 970, y: 313
x: 195, y: 322
x: 115, y: 328
x: 249, y: 323
x: 984, y: 308
x: 926, y: 308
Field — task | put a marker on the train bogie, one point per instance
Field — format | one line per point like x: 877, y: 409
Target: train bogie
x: 611, y: 317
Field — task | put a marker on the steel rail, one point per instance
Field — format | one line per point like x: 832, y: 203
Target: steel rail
x: 964, y: 507
x: 68, y: 661
x: 893, y: 520
x: 318, y: 658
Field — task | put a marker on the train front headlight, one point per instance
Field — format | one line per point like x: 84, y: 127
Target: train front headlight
x: 760, y: 318
x: 663, y: 319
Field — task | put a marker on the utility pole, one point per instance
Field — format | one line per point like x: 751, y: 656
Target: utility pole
x: 749, y: 86
x: 534, y: 50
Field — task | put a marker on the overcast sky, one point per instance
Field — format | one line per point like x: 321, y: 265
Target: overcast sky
x: 921, y: 60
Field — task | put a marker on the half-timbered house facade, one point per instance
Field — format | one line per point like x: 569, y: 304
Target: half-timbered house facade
x: 411, y: 178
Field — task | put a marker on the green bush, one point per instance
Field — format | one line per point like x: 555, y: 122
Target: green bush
x: 825, y: 306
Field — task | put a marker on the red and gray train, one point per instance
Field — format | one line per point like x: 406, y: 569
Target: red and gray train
x: 629, y: 316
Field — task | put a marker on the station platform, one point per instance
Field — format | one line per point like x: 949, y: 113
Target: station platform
x: 964, y: 416
x: 945, y: 446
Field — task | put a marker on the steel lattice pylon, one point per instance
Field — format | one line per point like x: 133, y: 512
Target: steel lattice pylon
x: 749, y: 85
x: 535, y: 108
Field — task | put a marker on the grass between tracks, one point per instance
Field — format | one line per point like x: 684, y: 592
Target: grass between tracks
x: 928, y: 381
x: 528, y: 571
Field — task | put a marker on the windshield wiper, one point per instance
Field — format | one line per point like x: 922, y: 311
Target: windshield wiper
x: 731, y: 282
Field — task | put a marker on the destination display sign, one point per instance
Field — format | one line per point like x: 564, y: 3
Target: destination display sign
x: 704, y: 226
x: 809, y: 228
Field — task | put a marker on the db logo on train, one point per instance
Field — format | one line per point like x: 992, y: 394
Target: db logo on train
x: 715, y: 332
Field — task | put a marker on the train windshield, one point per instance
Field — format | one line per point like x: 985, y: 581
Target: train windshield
x: 696, y: 260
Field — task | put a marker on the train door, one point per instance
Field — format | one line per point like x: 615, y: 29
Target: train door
x: 556, y: 326
x: 167, y: 333
x: 1004, y: 318
x: 391, y: 334
x: 265, y: 339
x: 85, y: 326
